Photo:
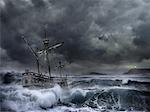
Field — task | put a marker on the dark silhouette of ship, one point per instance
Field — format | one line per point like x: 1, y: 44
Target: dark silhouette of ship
x: 33, y: 79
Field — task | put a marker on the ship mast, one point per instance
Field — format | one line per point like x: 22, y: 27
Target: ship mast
x: 46, y: 50
x: 60, y: 67
x: 46, y: 46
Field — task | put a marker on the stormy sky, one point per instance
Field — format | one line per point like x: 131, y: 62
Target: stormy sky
x: 125, y: 25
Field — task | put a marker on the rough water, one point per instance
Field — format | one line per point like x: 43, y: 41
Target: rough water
x: 96, y: 93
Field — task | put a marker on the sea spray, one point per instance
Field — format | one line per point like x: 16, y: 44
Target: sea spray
x: 50, y: 97
x: 18, y: 98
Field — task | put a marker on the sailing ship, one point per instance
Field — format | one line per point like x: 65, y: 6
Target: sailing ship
x: 33, y: 79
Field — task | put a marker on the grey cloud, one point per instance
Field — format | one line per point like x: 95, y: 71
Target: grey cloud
x: 78, y: 23
x: 142, y: 41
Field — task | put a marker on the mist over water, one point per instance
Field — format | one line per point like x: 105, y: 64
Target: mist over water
x: 96, y: 93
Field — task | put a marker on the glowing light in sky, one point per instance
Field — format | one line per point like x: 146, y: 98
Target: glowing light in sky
x: 131, y: 66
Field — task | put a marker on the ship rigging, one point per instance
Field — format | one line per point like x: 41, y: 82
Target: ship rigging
x: 38, y: 79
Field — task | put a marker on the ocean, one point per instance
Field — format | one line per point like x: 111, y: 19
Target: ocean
x: 85, y: 93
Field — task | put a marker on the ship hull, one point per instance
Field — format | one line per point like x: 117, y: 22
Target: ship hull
x: 36, y: 80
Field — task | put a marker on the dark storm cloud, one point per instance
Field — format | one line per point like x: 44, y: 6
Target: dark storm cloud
x: 10, y: 36
x: 142, y: 41
x: 77, y: 23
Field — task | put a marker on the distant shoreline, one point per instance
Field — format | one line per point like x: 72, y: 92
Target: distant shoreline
x: 138, y: 71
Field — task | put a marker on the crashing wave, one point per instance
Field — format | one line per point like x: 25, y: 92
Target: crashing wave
x: 23, y: 99
x: 97, y: 96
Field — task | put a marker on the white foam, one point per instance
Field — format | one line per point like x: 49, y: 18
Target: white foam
x: 71, y: 109
x: 49, y: 98
x: 125, y: 81
x: 82, y: 91
x: 23, y: 99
